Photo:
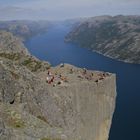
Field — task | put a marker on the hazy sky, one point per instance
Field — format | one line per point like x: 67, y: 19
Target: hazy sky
x: 62, y: 9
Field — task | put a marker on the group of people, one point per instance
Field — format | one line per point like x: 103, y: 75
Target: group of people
x: 87, y: 75
x: 90, y: 75
x: 49, y: 78
x: 102, y: 76
x: 55, y: 78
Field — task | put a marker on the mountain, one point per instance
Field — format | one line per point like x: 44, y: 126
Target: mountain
x: 117, y: 37
x: 40, y: 102
x: 25, y: 28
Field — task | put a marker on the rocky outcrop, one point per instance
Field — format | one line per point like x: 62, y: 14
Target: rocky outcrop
x: 85, y: 102
x: 39, y: 102
x: 116, y: 37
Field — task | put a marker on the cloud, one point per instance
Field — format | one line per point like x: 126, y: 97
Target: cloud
x: 69, y: 3
x: 60, y: 9
x: 13, y: 13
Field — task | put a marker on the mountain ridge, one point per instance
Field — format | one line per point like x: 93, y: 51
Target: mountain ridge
x: 117, y: 37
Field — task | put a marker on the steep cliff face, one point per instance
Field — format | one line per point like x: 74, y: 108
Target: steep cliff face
x: 39, y: 102
x: 86, y: 106
x: 116, y: 37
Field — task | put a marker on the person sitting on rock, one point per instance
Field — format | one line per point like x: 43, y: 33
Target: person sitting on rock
x: 62, y: 65
x: 47, y: 79
x: 84, y: 71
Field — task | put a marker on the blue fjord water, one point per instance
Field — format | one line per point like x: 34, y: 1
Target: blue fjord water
x: 126, y: 121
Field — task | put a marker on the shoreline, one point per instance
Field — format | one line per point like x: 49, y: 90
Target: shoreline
x: 119, y: 60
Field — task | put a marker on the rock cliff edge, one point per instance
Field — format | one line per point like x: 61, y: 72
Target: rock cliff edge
x: 40, y: 102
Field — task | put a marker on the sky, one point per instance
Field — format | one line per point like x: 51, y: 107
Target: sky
x: 65, y: 9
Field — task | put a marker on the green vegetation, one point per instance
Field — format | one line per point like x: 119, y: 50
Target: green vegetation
x: 15, y: 120
x: 11, y: 56
x: 42, y: 118
x: 32, y: 64
x: 18, y: 124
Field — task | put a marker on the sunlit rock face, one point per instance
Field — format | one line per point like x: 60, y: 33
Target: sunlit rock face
x: 39, y: 102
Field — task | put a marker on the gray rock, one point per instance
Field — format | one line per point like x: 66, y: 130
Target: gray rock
x: 80, y: 107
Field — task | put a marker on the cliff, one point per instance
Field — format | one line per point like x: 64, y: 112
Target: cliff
x: 39, y: 102
x: 116, y: 37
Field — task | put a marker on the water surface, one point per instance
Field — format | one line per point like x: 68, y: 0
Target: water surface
x: 126, y: 121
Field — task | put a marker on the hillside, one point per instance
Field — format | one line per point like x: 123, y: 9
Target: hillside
x: 40, y: 102
x: 24, y: 28
x: 116, y: 37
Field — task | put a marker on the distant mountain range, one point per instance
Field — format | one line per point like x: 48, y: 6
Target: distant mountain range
x: 117, y: 37
x: 24, y: 28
